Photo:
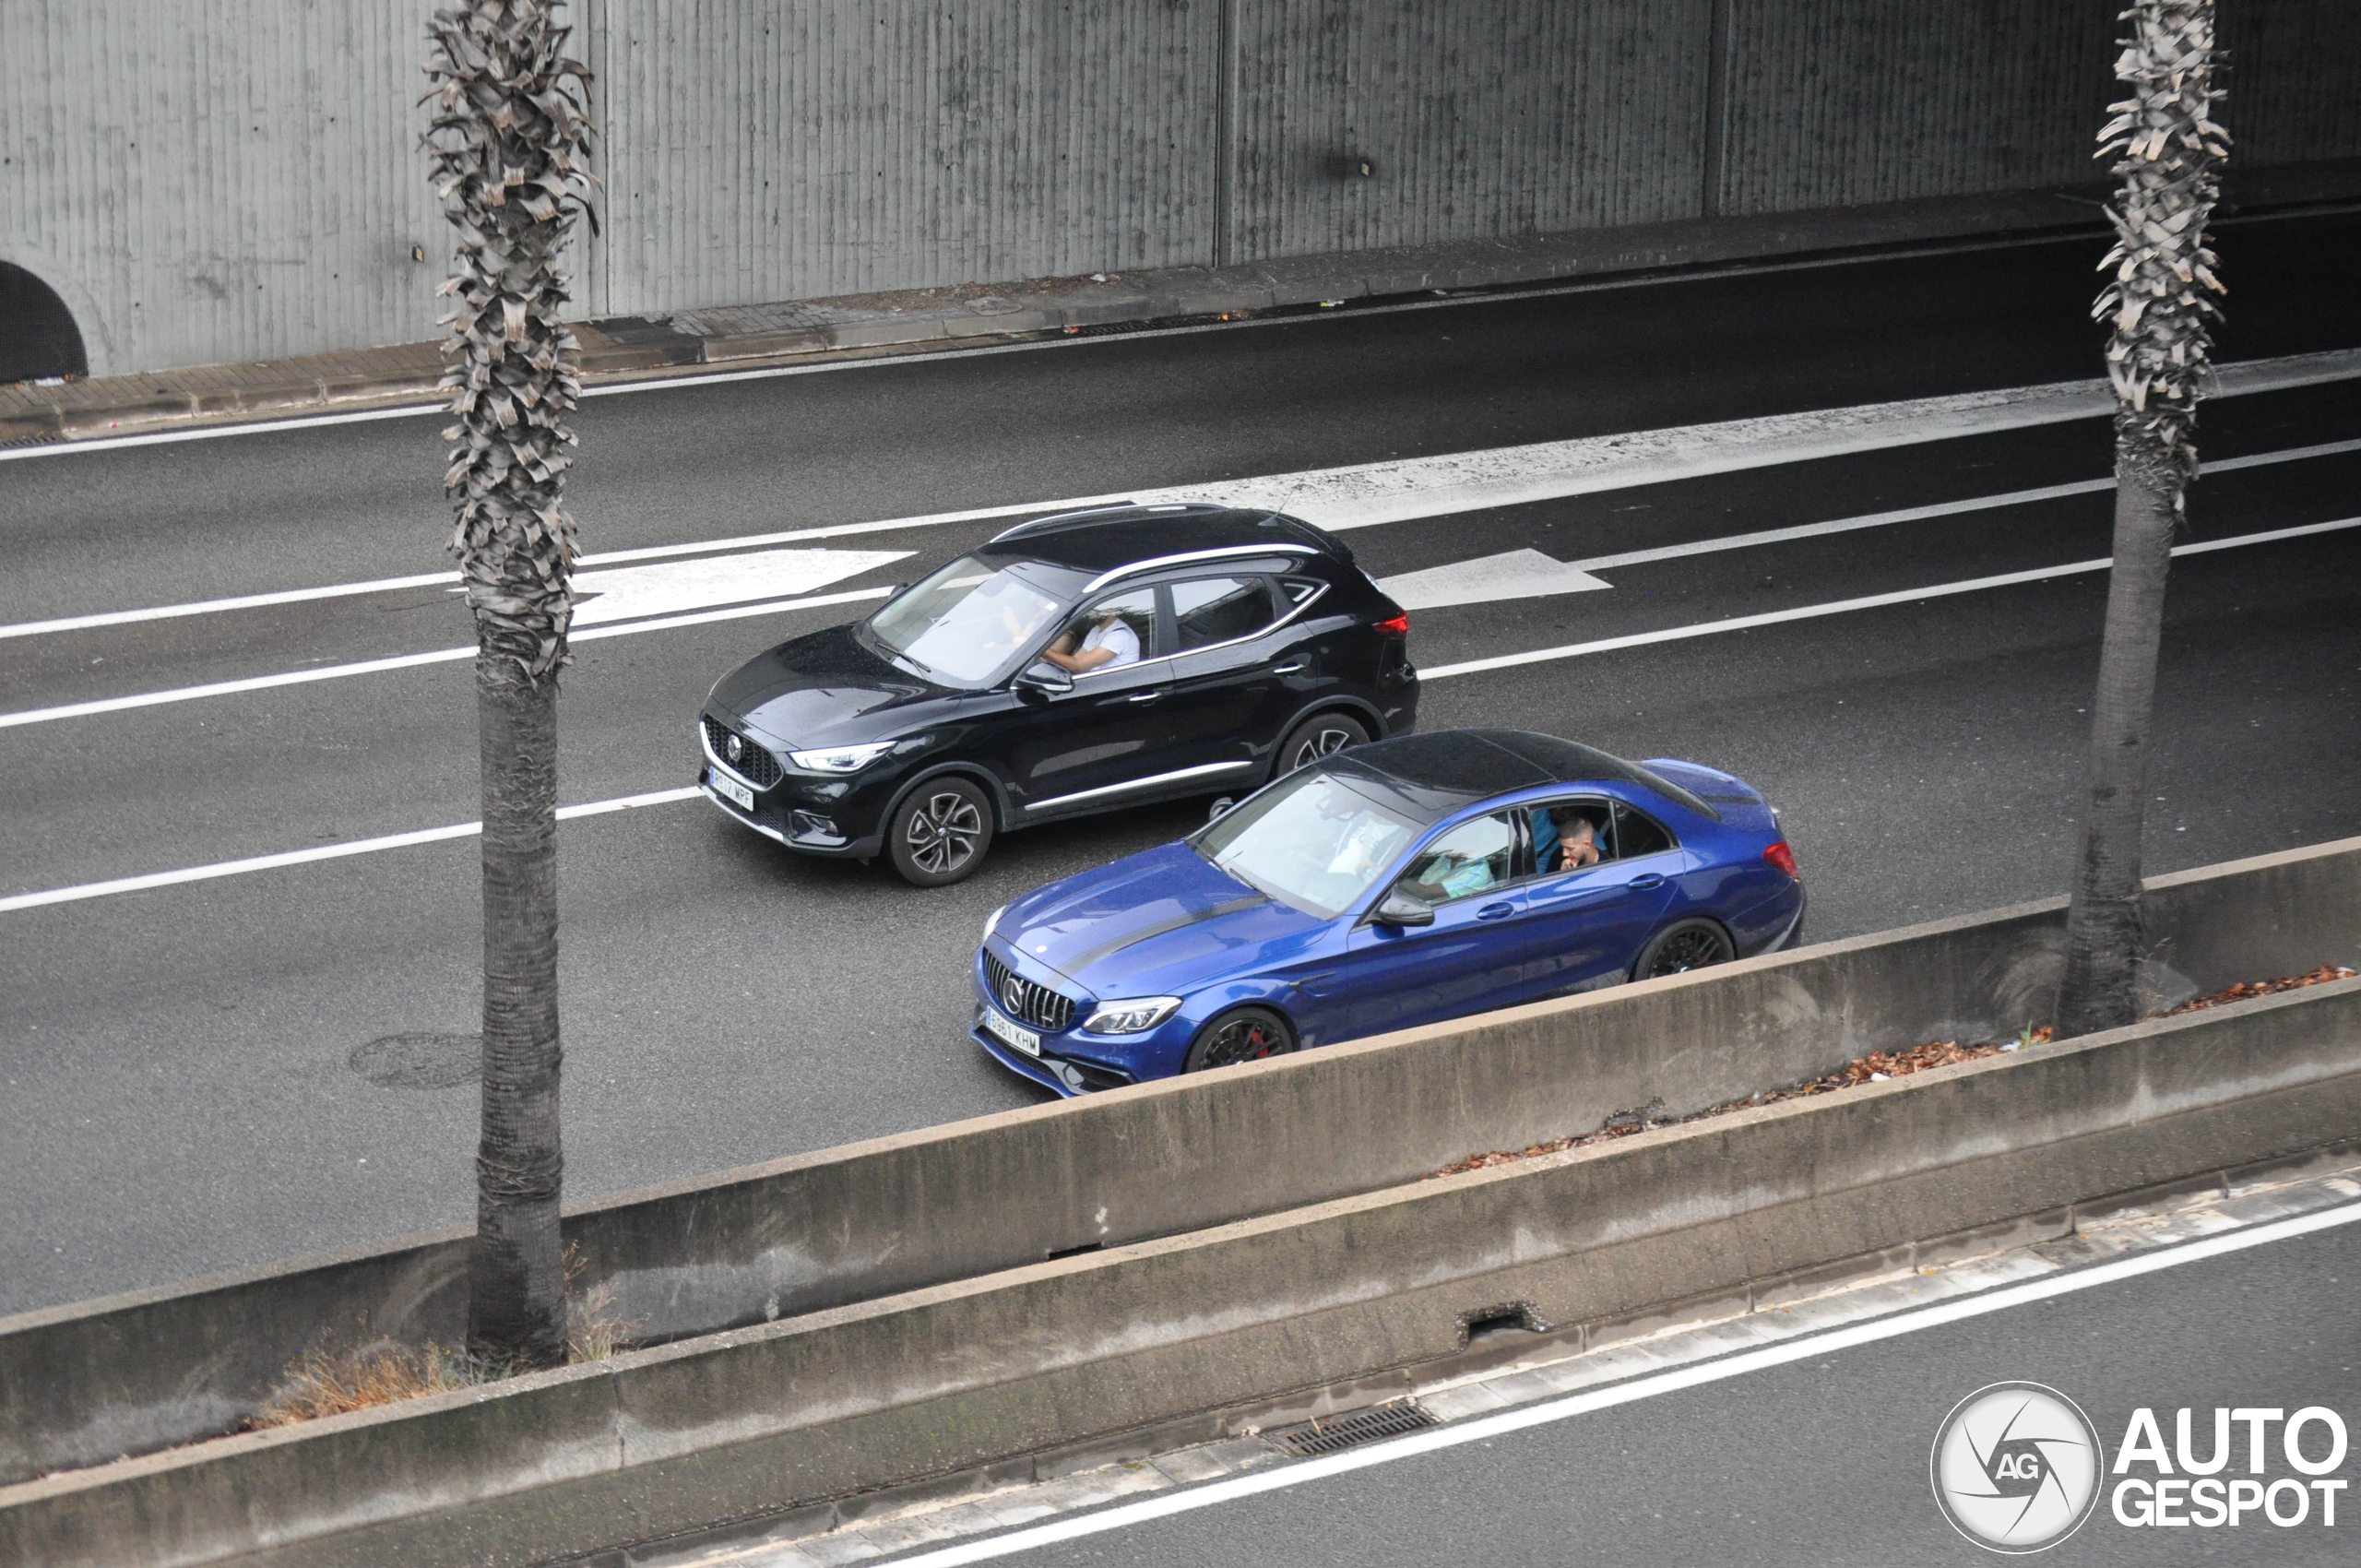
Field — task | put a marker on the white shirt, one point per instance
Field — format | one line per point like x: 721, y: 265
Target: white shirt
x: 1115, y: 636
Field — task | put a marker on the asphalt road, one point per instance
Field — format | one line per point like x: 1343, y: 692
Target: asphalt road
x: 1824, y: 1462
x: 175, y: 1096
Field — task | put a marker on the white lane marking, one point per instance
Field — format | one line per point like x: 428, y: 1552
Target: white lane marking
x: 1845, y: 606
x: 318, y: 852
x: 408, y: 660
x: 1368, y: 493
x: 1939, y: 509
x: 1515, y: 574
x: 1916, y: 1320
x: 93, y: 890
x: 631, y: 593
x: 213, y: 606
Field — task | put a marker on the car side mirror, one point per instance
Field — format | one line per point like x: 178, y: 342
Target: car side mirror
x: 1220, y: 809
x: 1045, y: 678
x: 1398, y: 908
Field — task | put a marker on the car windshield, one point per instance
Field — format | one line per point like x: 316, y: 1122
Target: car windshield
x: 966, y: 624
x: 1311, y: 841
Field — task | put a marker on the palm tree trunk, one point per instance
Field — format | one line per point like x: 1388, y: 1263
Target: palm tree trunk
x: 2159, y: 300
x: 2103, y: 923
x: 516, y: 1276
x: 507, y: 144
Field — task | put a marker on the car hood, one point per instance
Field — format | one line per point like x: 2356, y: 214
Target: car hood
x: 1155, y: 923
x: 825, y: 689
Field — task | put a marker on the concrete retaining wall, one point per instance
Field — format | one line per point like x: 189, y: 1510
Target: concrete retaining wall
x: 957, y: 1375
x: 129, y: 1374
x: 212, y: 181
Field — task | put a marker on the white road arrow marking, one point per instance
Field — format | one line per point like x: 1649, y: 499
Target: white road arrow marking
x: 1517, y: 574
x: 629, y: 592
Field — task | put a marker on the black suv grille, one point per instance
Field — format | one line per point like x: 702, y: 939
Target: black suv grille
x: 753, y: 762
x: 1027, y: 1002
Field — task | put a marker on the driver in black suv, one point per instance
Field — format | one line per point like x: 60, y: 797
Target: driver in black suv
x: 1074, y: 664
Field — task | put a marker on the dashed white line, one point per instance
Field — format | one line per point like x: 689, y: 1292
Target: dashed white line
x: 317, y: 852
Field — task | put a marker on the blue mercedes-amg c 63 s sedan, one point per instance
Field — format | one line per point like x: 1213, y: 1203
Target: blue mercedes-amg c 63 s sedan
x: 1397, y: 884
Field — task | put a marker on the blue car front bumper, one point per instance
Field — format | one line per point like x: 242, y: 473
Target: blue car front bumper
x: 1073, y: 1062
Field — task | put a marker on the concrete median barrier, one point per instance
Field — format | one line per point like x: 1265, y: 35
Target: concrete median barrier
x: 917, y: 1238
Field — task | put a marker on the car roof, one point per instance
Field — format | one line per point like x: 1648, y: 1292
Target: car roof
x: 1112, y: 537
x: 1432, y: 775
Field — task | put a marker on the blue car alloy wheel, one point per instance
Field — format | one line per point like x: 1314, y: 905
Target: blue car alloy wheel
x: 1390, y: 885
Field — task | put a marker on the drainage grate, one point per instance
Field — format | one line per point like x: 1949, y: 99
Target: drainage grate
x: 1328, y: 1434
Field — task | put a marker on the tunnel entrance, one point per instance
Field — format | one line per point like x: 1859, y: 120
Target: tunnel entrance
x: 38, y: 337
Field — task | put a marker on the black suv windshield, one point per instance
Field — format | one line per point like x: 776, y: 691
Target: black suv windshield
x: 1311, y: 841
x: 965, y: 624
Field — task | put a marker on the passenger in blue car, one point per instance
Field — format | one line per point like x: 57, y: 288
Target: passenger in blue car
x: 1564, y: 840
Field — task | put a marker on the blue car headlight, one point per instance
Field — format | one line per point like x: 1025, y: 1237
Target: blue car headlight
x: 1132, y: 1016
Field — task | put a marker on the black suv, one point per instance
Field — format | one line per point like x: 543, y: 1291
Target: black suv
x: 1217, y: 646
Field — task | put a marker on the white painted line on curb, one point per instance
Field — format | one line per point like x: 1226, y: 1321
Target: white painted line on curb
x: 1916, y: 1320
x: 318, y: 852
x: 1845, y: 606
x: 408, y: 660
x: 1403, y: 490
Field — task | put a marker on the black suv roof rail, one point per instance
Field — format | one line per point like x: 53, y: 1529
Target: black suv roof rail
x: 1061, y: 520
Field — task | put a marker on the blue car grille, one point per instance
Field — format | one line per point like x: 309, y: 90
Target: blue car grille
x: 1028, y: 1002
x: 753, y: 763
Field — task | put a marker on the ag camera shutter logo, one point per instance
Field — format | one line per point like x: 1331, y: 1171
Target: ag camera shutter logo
x: 2016, y: 1467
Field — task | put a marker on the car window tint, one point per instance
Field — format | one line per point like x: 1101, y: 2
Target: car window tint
x: 1560, y: 826
x: 1122, y: 622
x: 1637, y: 834
x: 1217, y: 610
x: 1299, y: 590
x: 966, y: 623
x: 1472, y: 858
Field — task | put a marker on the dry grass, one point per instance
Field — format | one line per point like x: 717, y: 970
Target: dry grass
x: 327, y: 1382
x: 330, y: 1381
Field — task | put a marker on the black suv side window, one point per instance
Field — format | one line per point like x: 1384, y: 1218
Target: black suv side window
x: 1207, y: 611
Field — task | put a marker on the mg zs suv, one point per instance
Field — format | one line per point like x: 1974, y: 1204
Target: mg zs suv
x: 1075, y: 664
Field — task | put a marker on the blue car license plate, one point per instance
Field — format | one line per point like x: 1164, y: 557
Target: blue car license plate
x: 1025, y: 1040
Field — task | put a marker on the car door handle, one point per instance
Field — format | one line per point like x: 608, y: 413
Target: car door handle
x: 1151, y: 696
x: 1646, y: 880
x: 1501, y: 911
x: 1292, y: 666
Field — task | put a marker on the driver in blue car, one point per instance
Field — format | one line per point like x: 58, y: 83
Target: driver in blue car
x: 1567, y: 845
x: 1110, y: 641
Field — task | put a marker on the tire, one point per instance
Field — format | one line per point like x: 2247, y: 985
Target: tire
x: 1682, y: 946
x: 1323, y: 734
x: 1242, y: 1034
x: 940, y: 832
